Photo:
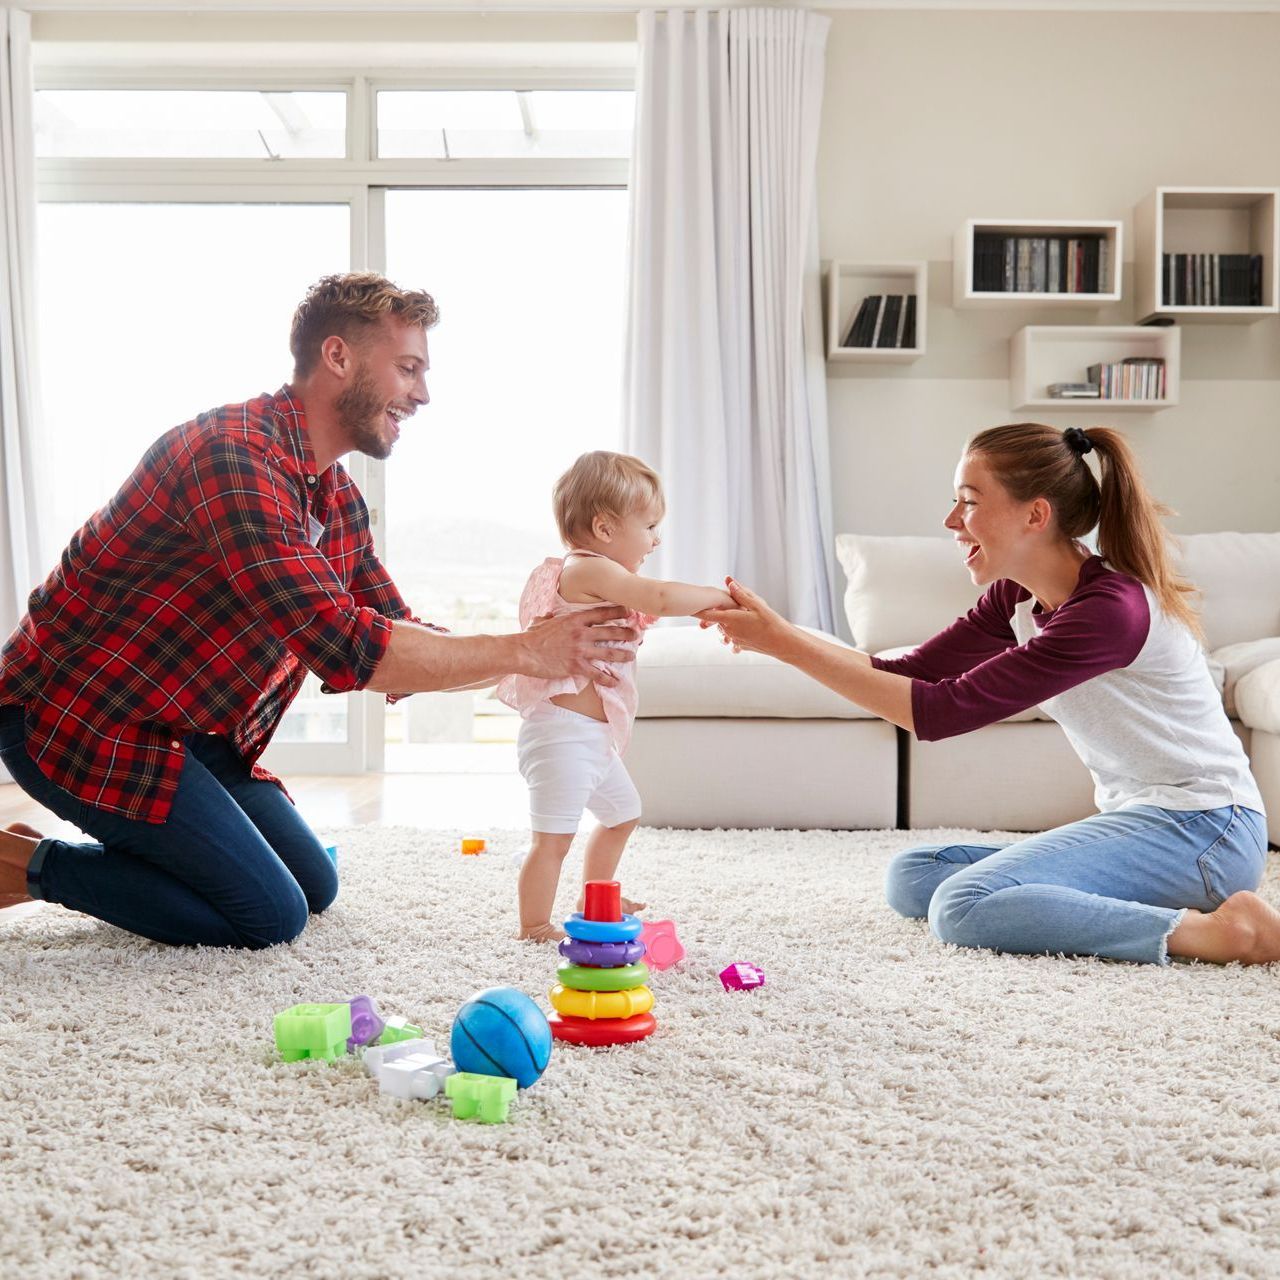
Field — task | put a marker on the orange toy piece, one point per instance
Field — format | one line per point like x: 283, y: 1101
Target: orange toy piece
x: 472, y: 845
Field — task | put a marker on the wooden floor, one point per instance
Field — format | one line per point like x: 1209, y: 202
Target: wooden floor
x: 472, y: 801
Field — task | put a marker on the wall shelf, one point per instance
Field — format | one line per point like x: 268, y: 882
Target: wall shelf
x: 848, y: 283
x: 965, y: 296
x: 1041, y: 354
x: 1205, y: 220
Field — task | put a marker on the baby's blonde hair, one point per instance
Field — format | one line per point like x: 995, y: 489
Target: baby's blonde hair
x: 602, y: 484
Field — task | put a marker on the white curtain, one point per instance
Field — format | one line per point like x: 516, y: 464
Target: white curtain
x: 22, y: 562
x: 725, y: 384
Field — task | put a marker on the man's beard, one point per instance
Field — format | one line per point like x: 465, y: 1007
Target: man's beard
x: 360, y: 413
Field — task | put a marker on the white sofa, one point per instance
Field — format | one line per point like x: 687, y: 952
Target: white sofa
x: 742, y: 740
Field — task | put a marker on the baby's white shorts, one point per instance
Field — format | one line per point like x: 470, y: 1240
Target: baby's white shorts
x: 570, y: 764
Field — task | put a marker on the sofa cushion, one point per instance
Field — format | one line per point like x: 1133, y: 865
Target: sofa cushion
x: 1258, y: 698
x: 902, y: 590
x: 1235, y: 661
x: 1238, y: 575
x: 686, y: 671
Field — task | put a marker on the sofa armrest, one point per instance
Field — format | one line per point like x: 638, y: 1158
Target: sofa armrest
x: 1258, y: 698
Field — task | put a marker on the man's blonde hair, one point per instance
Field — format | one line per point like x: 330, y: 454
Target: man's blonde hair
x: 348, y: 306
x: 602, y: 484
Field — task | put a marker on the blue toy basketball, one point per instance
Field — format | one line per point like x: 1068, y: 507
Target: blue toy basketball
x: 501, y: 1032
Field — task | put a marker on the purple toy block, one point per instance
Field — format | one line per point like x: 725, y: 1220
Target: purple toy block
x: 741, y: 976
x: 366, y: 1024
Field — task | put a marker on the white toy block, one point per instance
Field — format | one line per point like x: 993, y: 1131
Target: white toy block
x: 376, y: 1056
x: 417, y: 1075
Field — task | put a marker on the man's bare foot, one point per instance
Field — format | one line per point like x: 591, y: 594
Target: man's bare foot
x: 1245, y: 928
x: 540, y: 933
x: 17, y: 845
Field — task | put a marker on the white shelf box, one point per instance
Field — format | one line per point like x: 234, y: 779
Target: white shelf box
x: 848, y: 283
x: 1205, y: 220
x: 965, y: 296
x: 1042, y: 354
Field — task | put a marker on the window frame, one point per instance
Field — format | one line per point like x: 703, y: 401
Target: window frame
x: 359, y: 180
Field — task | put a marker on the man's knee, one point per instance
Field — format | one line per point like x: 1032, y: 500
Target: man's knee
x: 322, y: 889
x: 908, y: 886
x: 279, y: 920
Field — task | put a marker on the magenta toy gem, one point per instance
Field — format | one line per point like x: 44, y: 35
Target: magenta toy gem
x: 366, y: 1025
x: 741, y: 976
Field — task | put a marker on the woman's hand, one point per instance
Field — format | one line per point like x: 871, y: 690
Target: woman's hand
x: 750, y: 624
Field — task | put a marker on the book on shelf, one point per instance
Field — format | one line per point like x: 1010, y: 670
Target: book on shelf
x: 888, y: 336
x: 1211, y: 279
x: 884, y: 320
x: 1074, y: 391
x: 1040, y: 264
x: 1133, y: 378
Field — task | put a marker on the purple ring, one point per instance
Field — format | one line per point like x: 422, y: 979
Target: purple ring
x: 603, y: 955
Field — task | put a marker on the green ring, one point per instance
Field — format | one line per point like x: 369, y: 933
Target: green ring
x: 581, y: 977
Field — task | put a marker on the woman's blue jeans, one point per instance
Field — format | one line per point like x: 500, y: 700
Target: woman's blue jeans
x: 1115, y: 884
x: 233, y: 865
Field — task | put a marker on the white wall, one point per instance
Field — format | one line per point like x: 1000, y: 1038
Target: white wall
x: 932, y: 118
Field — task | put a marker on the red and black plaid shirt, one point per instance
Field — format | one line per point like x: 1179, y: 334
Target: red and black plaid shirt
x: 196, y: 601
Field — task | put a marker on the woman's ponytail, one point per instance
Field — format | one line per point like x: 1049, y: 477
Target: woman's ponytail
x: 1032, y: 461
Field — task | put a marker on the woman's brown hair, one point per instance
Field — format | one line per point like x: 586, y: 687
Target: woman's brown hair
x: 1032, y: 461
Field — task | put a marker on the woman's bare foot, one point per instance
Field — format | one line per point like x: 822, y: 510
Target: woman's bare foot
x: 17, y: 845
x: 1245, y: 928
x: 540, y: 933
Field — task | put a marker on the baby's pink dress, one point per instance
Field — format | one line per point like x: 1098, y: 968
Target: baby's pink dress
x: 541, y: 595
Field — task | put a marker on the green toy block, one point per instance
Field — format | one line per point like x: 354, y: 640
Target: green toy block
x: 313, y: 1031
x: 398, y: 1029
x: 485, y: 1097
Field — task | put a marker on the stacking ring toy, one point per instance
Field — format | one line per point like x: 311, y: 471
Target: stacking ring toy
x: 597, y: 1034
x: 622, y: 978
x: 602, y: 955
x: 577, y: 926
x: 601, y: 1004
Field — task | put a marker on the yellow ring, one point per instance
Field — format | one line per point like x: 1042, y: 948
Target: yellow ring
x: 601, y: 1004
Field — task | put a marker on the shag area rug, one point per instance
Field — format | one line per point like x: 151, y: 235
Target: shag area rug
x: 884, y: 1106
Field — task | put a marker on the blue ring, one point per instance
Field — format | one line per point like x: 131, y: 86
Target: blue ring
x: 602, y: 930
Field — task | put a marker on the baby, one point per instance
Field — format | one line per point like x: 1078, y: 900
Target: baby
x: 607, y: 508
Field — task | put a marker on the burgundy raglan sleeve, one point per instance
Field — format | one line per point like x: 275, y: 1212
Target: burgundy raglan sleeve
x: 980, y: 634
x: 1101, y: 628
x: 248, y: 517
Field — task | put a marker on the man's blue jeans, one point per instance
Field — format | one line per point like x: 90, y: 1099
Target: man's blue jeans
x: 233, y: 865
x: 1115, y: 884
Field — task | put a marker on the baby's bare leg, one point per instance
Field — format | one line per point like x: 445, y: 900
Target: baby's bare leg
x: 539, y: 876
x: 604, y: 851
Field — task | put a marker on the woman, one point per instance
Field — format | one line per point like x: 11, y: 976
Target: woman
x: 1109, y: 646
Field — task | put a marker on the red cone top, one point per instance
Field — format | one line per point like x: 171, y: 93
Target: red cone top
x: 603, y: 900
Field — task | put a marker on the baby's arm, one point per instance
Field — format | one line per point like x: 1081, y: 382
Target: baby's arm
x: 607, y: 580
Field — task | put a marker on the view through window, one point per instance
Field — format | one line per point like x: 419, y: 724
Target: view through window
x: 525, y: 375
x: 151, y: 314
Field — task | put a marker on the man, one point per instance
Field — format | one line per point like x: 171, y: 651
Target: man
x: 156, y: 660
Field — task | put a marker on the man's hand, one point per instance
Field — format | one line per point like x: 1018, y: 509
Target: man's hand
x: 574, y: 644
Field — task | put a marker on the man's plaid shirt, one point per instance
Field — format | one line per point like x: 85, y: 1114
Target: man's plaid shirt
x: 195, y: 601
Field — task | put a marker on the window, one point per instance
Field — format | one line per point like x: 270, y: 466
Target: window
x: 171, y: 123
x: 189, y: 310
x: 179, y: 229
x: 452, y: 124
x: 526, y: 369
